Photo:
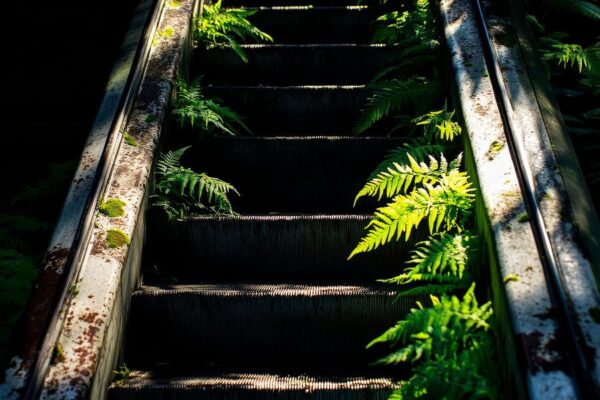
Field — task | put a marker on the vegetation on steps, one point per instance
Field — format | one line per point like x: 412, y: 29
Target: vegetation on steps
x: 219, y: 27
x: 448, y: 342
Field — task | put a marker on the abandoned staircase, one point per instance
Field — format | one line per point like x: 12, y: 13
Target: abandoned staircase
x: 265, y: 305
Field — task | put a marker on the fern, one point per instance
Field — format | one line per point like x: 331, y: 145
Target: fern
x: 450, y: 379
x: 406, y: 27
x: 441, y: 262
x: 442, y: 331
x: 191, y: 107
x: 182, y: 192
x: 400, y: 177
x: 439, y: 124
x: 445, y: 205
x: 220, y: 26
x: 564, y: 54
x: 394, y: 96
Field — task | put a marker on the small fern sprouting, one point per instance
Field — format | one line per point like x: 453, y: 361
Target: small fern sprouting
x: 182, y: 192
x: 220, y: 26
x: 439, y: 124
x: 442, y: 331
x: 212, y: 119
x: 446, y: 206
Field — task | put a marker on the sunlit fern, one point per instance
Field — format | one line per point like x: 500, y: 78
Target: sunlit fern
x: 564, y: 54
x: 445, y: 206
x: 450, y: 326
x: 192, y: 108
x: 469, y: 375
x: 399, y: 178
x: 395, y: 96
x: 220, y: 26
x: 182, y: 192
x: 441, y: 262
x: 439, y: 124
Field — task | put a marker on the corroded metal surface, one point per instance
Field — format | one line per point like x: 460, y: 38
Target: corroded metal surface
x: 84, y: 338
x: 533, y: 328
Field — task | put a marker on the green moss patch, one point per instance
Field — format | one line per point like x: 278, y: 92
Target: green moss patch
x: 130, y: 140
x: 116, y: 238
x: 150, y: 118
x: 167, y: 32
x: 523, y: 217
x: 112, y: 208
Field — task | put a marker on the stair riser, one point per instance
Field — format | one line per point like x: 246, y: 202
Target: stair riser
x: 292, y: 65
x: 317, y: 330
x: 320, y: 25
x: 175, y: 393
x: 275, y: 175
x: 272, y: 250
x: 296, y: 111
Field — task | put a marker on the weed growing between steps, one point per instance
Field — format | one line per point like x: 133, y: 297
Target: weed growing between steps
x: 408, y: 84
x: 220, y: 27
x: 208, y: 116
x: 448, y: 343
x: 182, y: 192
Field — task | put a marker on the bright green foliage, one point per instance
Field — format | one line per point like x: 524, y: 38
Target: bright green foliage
x: 400, y: 177
x: 592, y: 74
x: 112, y: 208
x: 121, y: 375
x: 395, y: 96
x: 443, y: 258
x: 564, y: 54
x: 442, y: 331
x: 445, y: 205
x: 439, y: 124
x: 405, y: 28
x: 419, y: 149
x: 220, y: 26
x: 212, y: 119
x: 182, y: 192
x: 451, y: 379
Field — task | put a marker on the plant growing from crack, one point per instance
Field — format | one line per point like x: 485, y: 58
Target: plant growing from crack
x: 182, y: 192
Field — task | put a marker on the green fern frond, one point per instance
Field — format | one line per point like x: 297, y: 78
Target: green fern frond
x: 393, y: 96
x: 442, y: 258
x: 445, y: 206
x: 439, y: 124
x: 397, y: 27
x: 564, y: 54
x: 181, y: 191
x: 191, y: 107
x: 462, y: 377
x: 398, y: 178
x: 450, y: 326
x: 220, y: 26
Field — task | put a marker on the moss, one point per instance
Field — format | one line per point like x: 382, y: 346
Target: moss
x: 595, y: 314
x: 59, y: 354
x: 486, y: 74
x: 523, y: 217
x: 150, y: 118
x: 167, y: 32
x: 511, y: 278
x: 130, y: 140
x: 116, y: 238
x: 73, y: 290
x: 174, y: 4
x: 112, y: 208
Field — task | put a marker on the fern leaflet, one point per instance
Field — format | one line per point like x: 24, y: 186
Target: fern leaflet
x: 400, y: 177
x: 445, y: 205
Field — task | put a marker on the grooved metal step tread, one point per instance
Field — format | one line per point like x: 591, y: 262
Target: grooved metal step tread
x: 293, y: 110
x: 293, y: 174
x: 293, y: 64
x: 244, y: 385
x: 309, y: 324
x: 266, y: 290
x: 288, y: 247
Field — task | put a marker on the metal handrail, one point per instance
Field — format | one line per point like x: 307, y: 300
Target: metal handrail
x: 85, y: 224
